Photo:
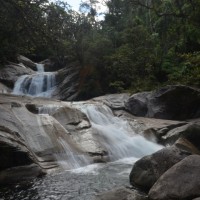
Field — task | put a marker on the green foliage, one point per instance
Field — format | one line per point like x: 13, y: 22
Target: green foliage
x: 138, y: 46
x: 189, y: 70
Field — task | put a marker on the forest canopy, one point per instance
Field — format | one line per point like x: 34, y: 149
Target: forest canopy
x: 139, y: 45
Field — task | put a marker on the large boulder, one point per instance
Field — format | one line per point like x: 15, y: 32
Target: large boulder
x: 147, y: 170
x: 180, y: 182
x: 176, y: 102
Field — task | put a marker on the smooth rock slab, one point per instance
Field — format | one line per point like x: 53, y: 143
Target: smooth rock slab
x: 114, y: 101
x: 179, y: 182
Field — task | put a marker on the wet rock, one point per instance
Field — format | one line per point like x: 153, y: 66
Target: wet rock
x: 147, y: 170
x: 27, y: 62
x: 70, y: 118
x: 79, y: 128
x: 176, y: 102
x: 151, y: 128
x: 179, y: 182
x: 122, y: 194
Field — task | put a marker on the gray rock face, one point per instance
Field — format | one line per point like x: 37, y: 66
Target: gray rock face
x: 10, y: 73
x: 67, y: 84
x: 171, y: 102
x: 27, y: 62
x: 180, y: 182
x: 147, y: 170
x: 114, y: 101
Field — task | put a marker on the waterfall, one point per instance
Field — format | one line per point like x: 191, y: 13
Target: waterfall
x: 116, y: 135
x: 40, y: 67
x: 71, y: 158
x: 40, y: 84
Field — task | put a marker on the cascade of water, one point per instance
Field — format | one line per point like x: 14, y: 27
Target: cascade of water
x: 48, y: 109
x: 116, y: 135
x: 39, y: 84
x: 70, y: 158
x: 40, y: 67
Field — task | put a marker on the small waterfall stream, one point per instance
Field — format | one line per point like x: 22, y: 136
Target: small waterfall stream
x: 116, y: 135
x: 71, y: 159
x: 40, y: 84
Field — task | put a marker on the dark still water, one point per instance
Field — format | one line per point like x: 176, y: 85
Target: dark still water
x: 80, y: 184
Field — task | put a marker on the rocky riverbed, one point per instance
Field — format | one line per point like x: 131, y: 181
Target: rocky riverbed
x: 158, y: 132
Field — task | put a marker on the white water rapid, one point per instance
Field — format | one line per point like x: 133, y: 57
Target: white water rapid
x: 116, y: 135
x: 40, y: 84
